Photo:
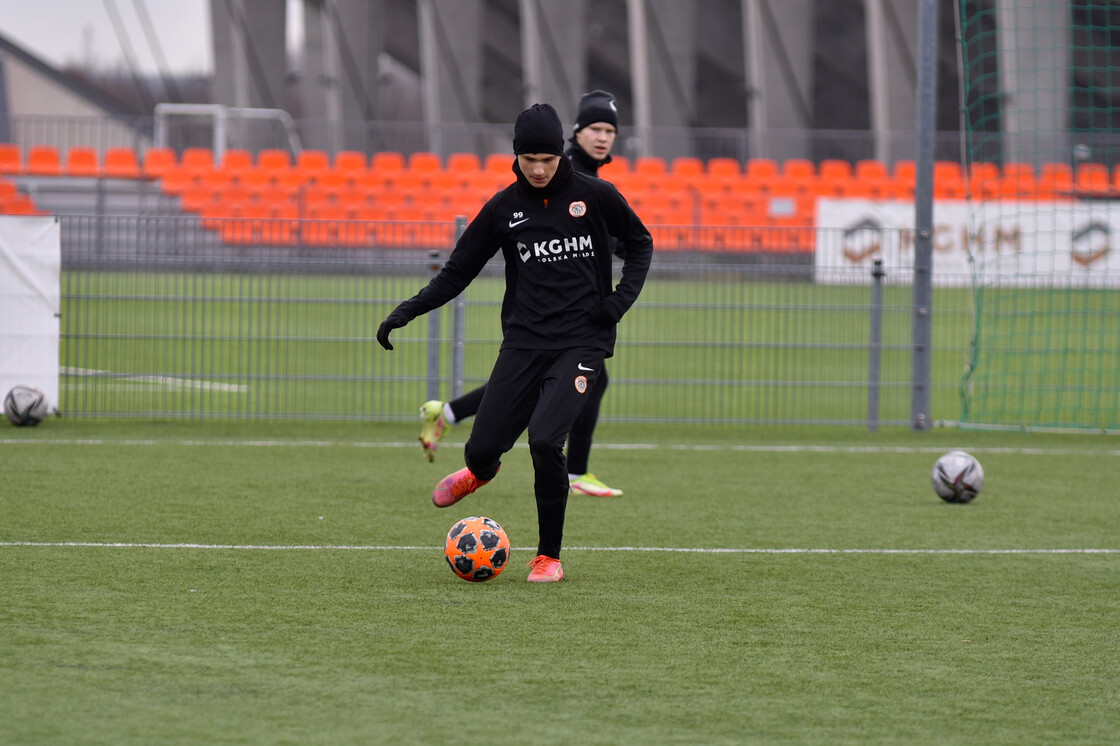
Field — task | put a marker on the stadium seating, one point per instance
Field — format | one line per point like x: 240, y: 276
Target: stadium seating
x: 158, y: 162
x: 11, y: 160
x: 721, y: 204
x: 82, y: 161
x: 43, y: 160
x: 121, y: 163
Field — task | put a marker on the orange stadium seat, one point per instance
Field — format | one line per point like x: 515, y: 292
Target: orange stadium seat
x: 121, y: 163
x: 1017, y: 180
x: 425, y: 161
x: 19, y: 204
x: 799, y: 168
x: 274, y: 159
x: 312, y: 164
x: 870, y: 169
x: 407, y: 180
x: 349, y: 161
x: 158, y: 162
x: 387, y: 160
x: 81, y: 160
x: 237, y: 159
x: 446, y: 179
x: 351, y: 197
x: 218, y: 178
x: 948, y: 180
x: 175, y: 181
x: 195, y: 161
x: 498, y: 162
x: 464, y: 162
x: 983, y: 180
x: 905, y: 170
x: 761, y: 168
x: 650, y: 165
x: 11, y: 161
x: 620, y: 163
x: 834, y: 168
x: 1093, y: 178
x: 274, y: 166
x: 276, y: 195
x: 43, y: 160
x: 1055, y: 181
x: 723, y: 167
x: 687, y: 166
x: 8, y: 188
x: 194, y: 198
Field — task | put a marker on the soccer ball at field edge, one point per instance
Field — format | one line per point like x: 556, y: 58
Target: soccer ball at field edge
x: 477, y: 548
x: 25, y: 405
x: 957, y: 477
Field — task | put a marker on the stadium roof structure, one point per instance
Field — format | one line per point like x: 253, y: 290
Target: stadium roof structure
x: 90, y: 94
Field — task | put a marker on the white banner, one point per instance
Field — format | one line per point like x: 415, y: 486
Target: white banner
x: 1038, y: 244
x: 30, y: 260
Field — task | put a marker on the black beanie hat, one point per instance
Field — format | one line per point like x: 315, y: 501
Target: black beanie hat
x: 596, y: 106
x: 538, y: 130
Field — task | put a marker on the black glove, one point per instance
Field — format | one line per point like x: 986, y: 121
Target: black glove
x: 604, y: 314
x: 395, y: 320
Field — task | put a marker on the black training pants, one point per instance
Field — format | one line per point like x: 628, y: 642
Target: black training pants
x: 542, y: 391
x: 583, y: 429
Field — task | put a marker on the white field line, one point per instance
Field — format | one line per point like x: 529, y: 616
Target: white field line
x: 691, y: 550
x: 161, y: 381
x: 733, y: 448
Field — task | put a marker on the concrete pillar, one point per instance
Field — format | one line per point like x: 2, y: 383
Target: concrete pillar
x: 359, y: 33
x: 320, y: 86
x: 554, y: 54
x: 250, y: 58
x: 663, y: 53
x: 892, y: 29
x: 1034, y: 43
x: 778, y: 43
x: 451, y: 69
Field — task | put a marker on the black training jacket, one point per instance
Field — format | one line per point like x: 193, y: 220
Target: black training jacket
x: 557, y: 249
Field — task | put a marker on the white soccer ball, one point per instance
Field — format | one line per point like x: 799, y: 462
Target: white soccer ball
x: 25, y: 405
x: 957, y: 477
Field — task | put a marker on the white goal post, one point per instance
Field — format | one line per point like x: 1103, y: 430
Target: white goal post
x: 220, y: 118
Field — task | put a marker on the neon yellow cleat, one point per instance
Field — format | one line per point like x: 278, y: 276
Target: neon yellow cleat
x: 434, y: 427
x: 589, y: 484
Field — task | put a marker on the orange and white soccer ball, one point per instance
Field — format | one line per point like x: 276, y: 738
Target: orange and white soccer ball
x: 477, y: 548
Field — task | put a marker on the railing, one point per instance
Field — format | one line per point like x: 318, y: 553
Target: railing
x: 162, y: 319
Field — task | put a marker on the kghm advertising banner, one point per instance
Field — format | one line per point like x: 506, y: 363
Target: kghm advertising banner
x: 1041, y: 244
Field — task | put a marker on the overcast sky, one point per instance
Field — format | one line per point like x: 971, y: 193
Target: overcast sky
x: 82, y: 31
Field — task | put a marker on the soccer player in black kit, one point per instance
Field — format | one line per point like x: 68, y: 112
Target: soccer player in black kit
x: 592, y: 138
x: 554, y: 228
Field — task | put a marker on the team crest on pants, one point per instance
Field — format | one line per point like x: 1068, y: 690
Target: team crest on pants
x: 581, y: 384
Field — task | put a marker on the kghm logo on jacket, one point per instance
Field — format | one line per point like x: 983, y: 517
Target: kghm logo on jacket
x: 557, y: 249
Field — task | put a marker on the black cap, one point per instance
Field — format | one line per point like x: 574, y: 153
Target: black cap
x: 596, y: 106
x: 538, y: 130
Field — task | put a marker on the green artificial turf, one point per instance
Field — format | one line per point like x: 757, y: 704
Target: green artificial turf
x: 284, y: 583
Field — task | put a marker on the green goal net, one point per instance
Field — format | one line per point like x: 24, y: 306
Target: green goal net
x: 1041, y: 117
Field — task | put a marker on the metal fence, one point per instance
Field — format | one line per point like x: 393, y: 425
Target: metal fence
x: 163, y: 319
